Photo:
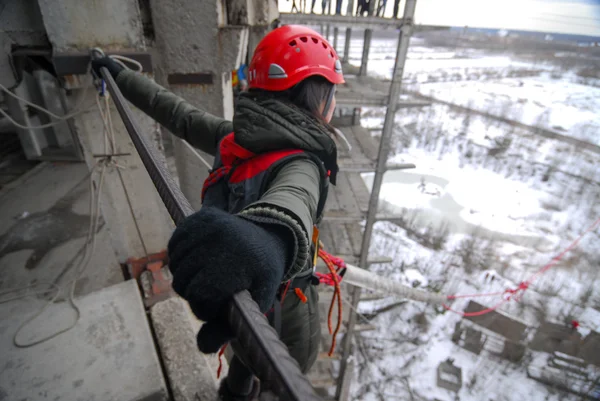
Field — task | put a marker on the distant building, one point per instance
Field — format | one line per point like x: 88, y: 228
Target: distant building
x: 449, y: 376
x: 495, y: 332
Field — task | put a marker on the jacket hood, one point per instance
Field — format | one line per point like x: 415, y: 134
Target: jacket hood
x: 263, y: 124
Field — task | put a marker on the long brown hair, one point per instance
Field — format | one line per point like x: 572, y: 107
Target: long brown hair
x: 308, y: 95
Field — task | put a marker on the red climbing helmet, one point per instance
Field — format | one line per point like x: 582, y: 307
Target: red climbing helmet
x: 290, y: 54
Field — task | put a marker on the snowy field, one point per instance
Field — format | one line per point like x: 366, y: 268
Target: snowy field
x: 567, y: 108
x: 487, y: 199
x: 527, y: 92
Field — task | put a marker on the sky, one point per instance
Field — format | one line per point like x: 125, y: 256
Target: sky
x: 580, y: 17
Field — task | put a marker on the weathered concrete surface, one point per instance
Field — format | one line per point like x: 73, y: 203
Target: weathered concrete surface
x: 42, y: 236
x: 192, y: 375
x: 191, y: 171
x: 22, y: 25
x: 155, y: 224
x: 108, y: 355
x: 112, y: 24
x: 191, y: 37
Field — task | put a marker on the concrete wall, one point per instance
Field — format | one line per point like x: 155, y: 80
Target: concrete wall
x: 21, y: 25
x: 195, y: 37
x: 112, y: 24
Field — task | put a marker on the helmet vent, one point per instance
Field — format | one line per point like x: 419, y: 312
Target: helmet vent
x: 304, y: 39
x: 276, y: 72
x: 315, y: 40
x: 338, y: 66
x: 293, y: 43
x: 324, y: 45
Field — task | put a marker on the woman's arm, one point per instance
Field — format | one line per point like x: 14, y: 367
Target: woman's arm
x: 201, y: 129
x: 292, y: 199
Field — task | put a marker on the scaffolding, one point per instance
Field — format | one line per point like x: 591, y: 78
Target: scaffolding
x: 362, y: 90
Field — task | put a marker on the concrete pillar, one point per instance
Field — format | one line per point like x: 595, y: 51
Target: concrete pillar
x: 22, y: 25
x: 113, y: 24
x: 366, y: 44
x: 204, y: 41
x: 335, y: 38
x: 346, y: 58
x: 365, y: 54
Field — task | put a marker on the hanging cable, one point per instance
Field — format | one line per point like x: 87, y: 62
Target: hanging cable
x: 79, y: 270
x: 60, y: 119
x: 121, y: 60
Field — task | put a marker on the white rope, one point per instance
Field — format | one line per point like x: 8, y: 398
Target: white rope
x: 195, y: 152
x: 362, y: 278
x: 341, y: 135
x: 119, y: 59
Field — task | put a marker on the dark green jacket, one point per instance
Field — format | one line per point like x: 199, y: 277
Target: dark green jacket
x: 259, y: 125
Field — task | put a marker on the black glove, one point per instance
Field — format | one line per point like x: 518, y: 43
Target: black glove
x: 225, y: 394
x: 113, y: 67
x: 214, y: 254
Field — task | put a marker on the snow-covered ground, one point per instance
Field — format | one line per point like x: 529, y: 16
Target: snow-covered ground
x: 558, y: 105
x: 526, y: 92
x: 486, y: 199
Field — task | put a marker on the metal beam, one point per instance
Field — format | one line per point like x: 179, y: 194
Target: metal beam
x: 343, y: 21
x: 346, y: 57
x: 381, y: 260
x: 349, y: 99
x: 384, y: 148
x: 335, y: 38
x: 346, y: 382
x: 344, y: 99
x: 76, y: 63
x: 365, y: 54
x: 347, y: 21
x: 343, y: 217
x: 371, y: 168
x: 409, y: 104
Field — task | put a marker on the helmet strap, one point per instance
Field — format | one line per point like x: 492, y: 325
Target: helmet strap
x: 328, y: 102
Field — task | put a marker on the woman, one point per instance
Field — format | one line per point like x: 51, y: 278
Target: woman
x: 264, y: 195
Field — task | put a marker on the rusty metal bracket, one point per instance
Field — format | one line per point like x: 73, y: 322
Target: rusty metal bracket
x: 76, y: 63
x: 153, y: 276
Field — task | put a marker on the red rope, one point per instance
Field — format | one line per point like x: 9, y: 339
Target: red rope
x: 287, y: 287
x: 517, y: 293
x: 335, y: 265
x: 221, y: 352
